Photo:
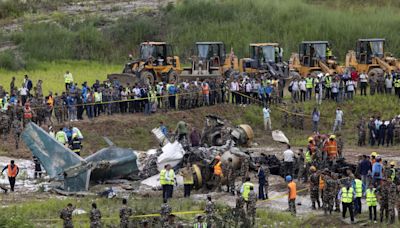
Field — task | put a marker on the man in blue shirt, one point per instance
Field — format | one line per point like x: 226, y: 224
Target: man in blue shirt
x: 377, y: 172
x: 365, y: 170
x: 172, y: 95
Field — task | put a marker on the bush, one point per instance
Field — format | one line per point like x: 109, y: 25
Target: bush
x: 10, y: 61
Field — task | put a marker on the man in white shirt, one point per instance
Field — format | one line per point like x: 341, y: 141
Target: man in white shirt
x: 363, y: 80
x: 234, y: 89
x: 303, y: 89
x: 288, y: 159
x: 23, y: 92
x: 267, y: 118
x: 338, y: 120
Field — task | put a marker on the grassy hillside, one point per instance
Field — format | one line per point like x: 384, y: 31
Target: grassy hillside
x: 236, y: 22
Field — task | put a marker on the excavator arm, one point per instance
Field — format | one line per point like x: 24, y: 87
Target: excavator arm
x: 325, y: 68
x: 384, y: 65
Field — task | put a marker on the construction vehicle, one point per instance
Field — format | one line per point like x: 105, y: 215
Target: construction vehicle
x: 370, y: 58
x: 210, y: 61
x: 314, y: 57
x: 265, y: 59
x: 156, y: 64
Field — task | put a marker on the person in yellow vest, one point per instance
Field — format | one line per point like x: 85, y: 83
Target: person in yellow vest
x: 245, y: 189
x: 61, y: 137
x: 292, y: 194
x: 12, y: 172
x: 98, y: 98
x: 309, y: 86
x: 218, y: 172
x: 392, y: 171
x: 327, y: 83
x: 359, y: 189
x: 153, y: 100
x: 370, y: 195
x: 347, y: 195
x: 187, y: 174
x: 171, y: 180
x: 68, y: 79
x: 396, y: 83
x: 163, y: 181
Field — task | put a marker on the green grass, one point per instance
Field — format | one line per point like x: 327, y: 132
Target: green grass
x: 52, y: 74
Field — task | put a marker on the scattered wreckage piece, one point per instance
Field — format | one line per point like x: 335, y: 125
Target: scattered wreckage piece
x: 64, y: 165
x: 279, y: 136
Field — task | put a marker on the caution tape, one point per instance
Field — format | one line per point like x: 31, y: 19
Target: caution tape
x: 281, y: 196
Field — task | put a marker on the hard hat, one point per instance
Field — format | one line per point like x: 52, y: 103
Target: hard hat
x: 313, y: 169
x: 310, y: 138
x: 327, y: 74
x: 218, y: 157
x: 332, y: 137
x: 374, y: 154
x: 74, y: 135
x: 393, y: 163
x: 288, y: 178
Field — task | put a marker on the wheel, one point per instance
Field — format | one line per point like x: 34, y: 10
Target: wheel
x: 374, y: 73
x: 147, y: 77
x: 294, y: 75
x: 172, y: 76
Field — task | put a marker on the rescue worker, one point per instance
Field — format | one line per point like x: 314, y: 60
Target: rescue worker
x: 300, y: 165
x: 200, y: 222
x: 12, y: 172
x: 262, y: 182
x: 38, y: 168
x: 95, y: 217
x: 165, y: 212
x: 28, y: 113
x: 182, y: 129
x: 239, y: 213
x: 251, y: 206
x: 187, y: 174
x: 209, y: 211
x: 124, y: 213
x: 331, y: 148
x: 17, y: 130
x: 171, y: 180
x: 347, y: 195
x: 309, y: 156
x: 329, y: 193
x: 61, y: 137
x: 391, y: 200
x: 292, y: 192
x: 163, y: 181
x: 245, y: 190
x: 383, y: 192
x: 392, y: 171
x: 370, y: 195
x: 309, y: 86
x: 76, y: 144
x: 66, y: 216
x: 218, y: 173
x: 359, y: 190
x: 244, y: 168
x: 314, y: 187
x: 230, y: 176
x: 68, y: 79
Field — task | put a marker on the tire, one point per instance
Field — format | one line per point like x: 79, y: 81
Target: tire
x: 147, y: 78
x: 294, y: 75
x: 374, y: 73
x: 173, y: 76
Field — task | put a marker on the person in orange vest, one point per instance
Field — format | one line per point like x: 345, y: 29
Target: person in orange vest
x: 218, y: 172
x: 205, y: 88
x: 291, y: 194
x: 331, y: 147
x: 12, y: 171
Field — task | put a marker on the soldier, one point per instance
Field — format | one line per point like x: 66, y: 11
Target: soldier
x: 17, y: 130
x: 209, y: 211
x: 124, y: 213
x: 314, y: 187
x: 293, y: 117
x: 251, y: 205
x: 383, y: 192
x: 244, y: 168
x: 230, y: 176
x: 329, y: 193
x: 95, y: 217
x: 372, y: 84
x: 165, y: 212
x: 239, y: 212
x: 301, y: 119
x: 66, y: 215
x: 398, y: 201
x: 285, y: 119
x: 380, y: 84
x: 340, y: 145
x: 300, y: 165
x: 335, y: 177
x: 391, y: 200
x: 362, y: 132
x: 4, y: 125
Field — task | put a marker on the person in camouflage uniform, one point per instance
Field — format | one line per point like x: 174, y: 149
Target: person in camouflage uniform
x: 58, y: 106
x: 229, y: 172
x: 391, y: 200
x: 300, y: 164
x: 4, y: 125
x: 329, y: 193
x: 300, y: 117
x: 165, y: 212
x: 398, y: 199
x: 244, y: 168
x: 383, y: 192
x: 251, y: 206
x: 314, y: 187
x: 285, y: 119
x: 372, y: 85
x: 362, y: 132
x: 124, y: 213
x: 95, y: 217
x: 239, y: 212
x: 209, y: 210
x: 340, y: 145
x: 335, y: 177
x: 66, y: 216
x: 293, y: 117
x: 17, y: 130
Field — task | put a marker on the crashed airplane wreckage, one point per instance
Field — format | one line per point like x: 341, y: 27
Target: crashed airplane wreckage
x: 62, y: 164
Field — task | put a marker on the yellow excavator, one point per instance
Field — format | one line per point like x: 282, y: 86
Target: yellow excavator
x: 369, y: 57
x: 155, y: 64
x: 314, y: 57
x: 210, y: 61
x: 265, y: 58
